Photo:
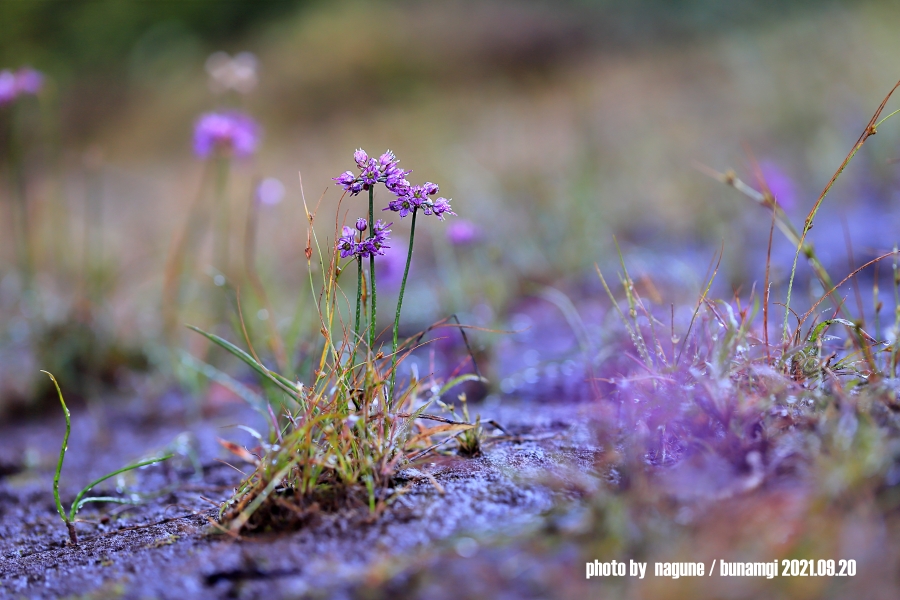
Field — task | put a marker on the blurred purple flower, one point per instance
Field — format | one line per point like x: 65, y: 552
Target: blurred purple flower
x: 780, y: 184
x: 7, y: 87
x: 463, y: 233
x: 361, y: 225
x: 29, y: 81
x: 270, y: 191
x: 25, y: 81
x: 229, y: 131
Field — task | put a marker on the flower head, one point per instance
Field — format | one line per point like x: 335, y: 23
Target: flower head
x: 413, y: 197
x: 230, y: 131
x: 376, y: 244
x: 29, y: 81
x: 347, y: 243
x: 439, y: 208
x: 372, y: 171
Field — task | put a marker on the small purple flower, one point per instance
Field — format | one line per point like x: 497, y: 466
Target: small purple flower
x: 388, y: 159
x: 345, y: 179
x: 440, y: 208
x: 361, y: 225
x: 396, y: 183
x: 226, y: 131
x: 463, y: 233
x: 347, y: 243
x: 7, y: 87
x: 361, y: 158
x: 29, y: 81
x: 430, y: 189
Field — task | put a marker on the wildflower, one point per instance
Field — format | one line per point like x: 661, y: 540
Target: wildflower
x: 415, y: 197
x: 25, y: 81
x: 376, y: 244
x: 29, y: 81
x: 7, y: 87
x: 361, y: 158
x: 463, y: 233
x: 347, y: 243
x: 440, y: 208
x: 227, y: 131
x: 371, y: 246
x: 383, y: 169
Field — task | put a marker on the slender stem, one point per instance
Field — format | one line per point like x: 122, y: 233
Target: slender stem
x: 412, y: 238
x: 62, y: 451
x: 372, y: 323
x: 19, y: 197
x: 358, y: 306
x: 222, y: 217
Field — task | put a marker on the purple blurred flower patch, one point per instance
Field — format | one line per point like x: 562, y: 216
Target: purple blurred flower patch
x: 230, y: 131
x: 780, y: 184
x: 24, y: 82
x: 463, y: 232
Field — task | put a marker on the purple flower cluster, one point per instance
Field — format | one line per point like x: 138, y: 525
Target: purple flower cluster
x: 383, y: 169
x: 371, y: 246
x: 25, y: 81
x: 412, y: 197
x: 230, y: 131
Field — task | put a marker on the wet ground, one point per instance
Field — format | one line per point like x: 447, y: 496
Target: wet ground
x: 169, y: 547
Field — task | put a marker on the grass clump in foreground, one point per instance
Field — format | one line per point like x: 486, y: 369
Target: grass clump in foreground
x: 339, y: 440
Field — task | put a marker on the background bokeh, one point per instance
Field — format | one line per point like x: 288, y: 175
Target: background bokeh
x: 552, y: 125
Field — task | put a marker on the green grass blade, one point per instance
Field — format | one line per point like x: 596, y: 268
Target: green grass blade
x: 80, y: 500
x: 278, y: 380
x: 62, y: 451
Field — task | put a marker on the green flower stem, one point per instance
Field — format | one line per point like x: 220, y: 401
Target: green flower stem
x: 358, y: 306
x: 222, y: 216
x: 372, y: 324
x: 412, y: 238
x: 20, y: 217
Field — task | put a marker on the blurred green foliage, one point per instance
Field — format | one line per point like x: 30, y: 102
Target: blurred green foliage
x: 67, y: 37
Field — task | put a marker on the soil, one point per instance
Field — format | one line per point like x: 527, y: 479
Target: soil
x: 168, y: 546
